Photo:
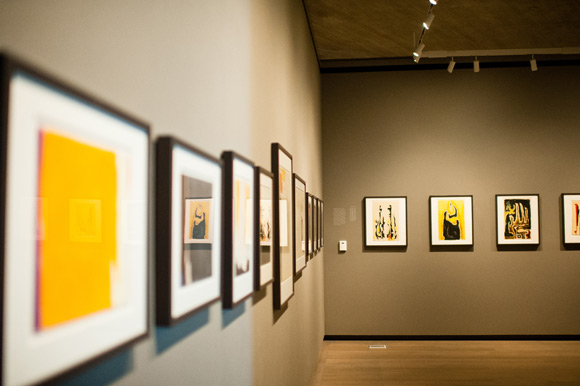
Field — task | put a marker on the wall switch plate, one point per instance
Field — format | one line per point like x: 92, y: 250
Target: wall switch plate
x: 342, y: 246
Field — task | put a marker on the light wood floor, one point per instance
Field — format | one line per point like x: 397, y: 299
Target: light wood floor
x: 449, y: 363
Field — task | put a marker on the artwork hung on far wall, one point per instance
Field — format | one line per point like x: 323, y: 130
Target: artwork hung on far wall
x: 263, y: 260
x: 571, y: 218
x: 451, y: 220
x: 310, y: 245
x: 283, y: 286
x: 299, y: 224
x: 518, y: 219
x: 318, y: 224
x: 238, y: 229
x: 188, y: 234
x: 385, y: 221
x: 321, y: 224
x: 74, y: 215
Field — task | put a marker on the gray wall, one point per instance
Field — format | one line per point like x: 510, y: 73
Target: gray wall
x: 421, y: 133
x: 221, y: 75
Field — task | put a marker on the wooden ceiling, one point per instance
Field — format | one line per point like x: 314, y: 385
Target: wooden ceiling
x: 385, y: 32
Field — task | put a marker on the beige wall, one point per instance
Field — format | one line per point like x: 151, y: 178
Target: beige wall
x: 421, y: 133
x: 221, y: 75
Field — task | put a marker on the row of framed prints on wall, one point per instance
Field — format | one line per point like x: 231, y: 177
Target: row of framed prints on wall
x: 451, y: 220
x: 75, y: 227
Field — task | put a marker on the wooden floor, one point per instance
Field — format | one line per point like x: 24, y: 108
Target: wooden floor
x: 449, y: 363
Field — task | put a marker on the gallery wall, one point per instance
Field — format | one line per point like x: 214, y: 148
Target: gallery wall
x: 422, y: 133
x: 220, y: 75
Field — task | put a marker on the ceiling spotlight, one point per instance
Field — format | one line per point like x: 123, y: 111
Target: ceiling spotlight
x: 533, y: 64
x: 476, y: 65
x: 418, y: 50
x: 451, y: 66
x: 427, y: 23
x: 434, y: 2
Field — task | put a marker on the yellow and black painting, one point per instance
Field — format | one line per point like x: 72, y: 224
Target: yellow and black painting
x: 385, y: 221
x: 451, y: 219
x: 518, y: 224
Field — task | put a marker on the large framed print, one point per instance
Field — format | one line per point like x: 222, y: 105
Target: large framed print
x: 264, y: 255
x: 299, y: 217
x: 385, y: 222
x: 451, y: 220
x: 188, y: 234
x: 283, y: 287
x: 239, y: 241
x: 571, y: 218
x: 518, y: 219
x: 321, y: 224
x: 310, y: 221
x: 74, y: 226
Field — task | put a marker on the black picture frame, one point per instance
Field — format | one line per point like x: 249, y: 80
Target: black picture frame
x: 570, y: 205
x: 186, y: 175
x: 454, y: 226
x: 264, y: 254
x: 299, y: 220
x: 43, y: 117
x: 310, y: 227
x: 238, y: 229
x: 526, y: 208
x: 282, y: 168
x: 390, y: 230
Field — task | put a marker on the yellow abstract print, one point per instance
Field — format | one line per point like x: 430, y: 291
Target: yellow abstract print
x: 77, y: 217
x: 451, y: 215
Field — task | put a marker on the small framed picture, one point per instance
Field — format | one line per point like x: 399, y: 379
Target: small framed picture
x: 385, y: 221
x: 74, y: 245
x: 517, y: 219
x: 318, y: 224
x: 310, y: 221
x: 188, y: 234
x: 238, y: 229
x: 263, y: 258
x: 299, y: 224
x: 451, y: 220
x: 283, y: 287
x: 321, y: 224
x: 571, y: 218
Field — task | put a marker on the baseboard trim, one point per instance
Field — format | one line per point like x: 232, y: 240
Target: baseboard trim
x: 452, y: 337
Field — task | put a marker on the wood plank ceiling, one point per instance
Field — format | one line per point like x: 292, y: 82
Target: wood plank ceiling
x: 385, y: 32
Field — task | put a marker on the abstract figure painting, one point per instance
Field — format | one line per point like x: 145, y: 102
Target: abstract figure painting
x: 451, y: 220
x: 238, y: 229
x: 263, y: 258
x: 283, y: 288
x: 518, y: 219
x: 385, y: 221
x: 198, y: 219
x: 188, y: 230
x: 571, y: 218
x: 74, y: 249
x: 299, y: 224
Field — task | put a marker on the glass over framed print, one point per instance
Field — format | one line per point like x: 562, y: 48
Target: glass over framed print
x: 239, y: 239
x: 283, y: 287
x: 518, y: 219
x: 74, y: 217
x: 188, y: 234
x: 310, y: 227
x: 263, y: 259
x: 299, y: 224
x: 451, y: 220
x: 385, y: 221
x: 571, y: 218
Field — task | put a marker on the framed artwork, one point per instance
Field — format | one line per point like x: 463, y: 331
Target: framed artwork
x: 321, y: 224
x: 317, y: 225
x: 283, y: 288
x: 517, y: 219
x: 310, y: 244
x: 188, y: 234
x: 74, y: 216
x: 239, y: 241
x: 263, y: 258
x: 451, y: 220
x: 571, y: 218
x: 385, y: 221
x: 299, y: 224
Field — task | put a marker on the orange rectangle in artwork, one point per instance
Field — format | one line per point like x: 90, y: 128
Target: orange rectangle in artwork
x: 77, y: 184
